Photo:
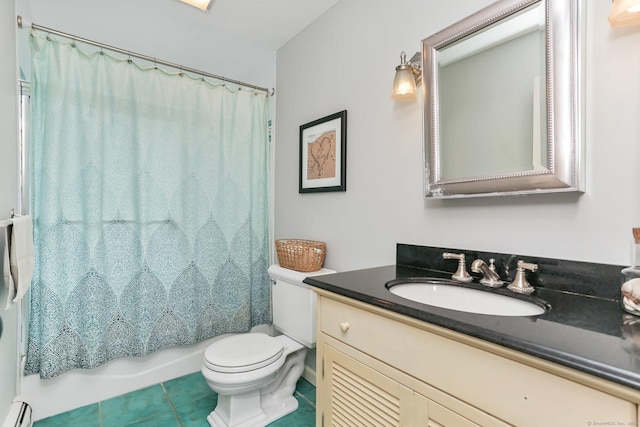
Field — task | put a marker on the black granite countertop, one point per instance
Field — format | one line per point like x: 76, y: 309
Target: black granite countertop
x: 584, y: 332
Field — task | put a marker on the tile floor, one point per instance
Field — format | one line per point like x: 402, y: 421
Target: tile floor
x: 181, y: 402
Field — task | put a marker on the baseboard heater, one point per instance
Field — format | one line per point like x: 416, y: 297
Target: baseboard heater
x: 19, y: 415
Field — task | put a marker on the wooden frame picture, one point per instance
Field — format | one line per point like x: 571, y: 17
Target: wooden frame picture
x: 323, y: 154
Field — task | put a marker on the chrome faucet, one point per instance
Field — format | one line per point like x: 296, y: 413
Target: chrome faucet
x: 461, y: 274
x: 520, y: 284
x: 491, y: 278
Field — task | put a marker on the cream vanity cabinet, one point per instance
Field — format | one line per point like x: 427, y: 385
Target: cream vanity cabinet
x: 379, y: 368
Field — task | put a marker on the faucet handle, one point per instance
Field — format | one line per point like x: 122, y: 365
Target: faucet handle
x: 527, y: 265
x: 461, y: 273
x: 520, y: 284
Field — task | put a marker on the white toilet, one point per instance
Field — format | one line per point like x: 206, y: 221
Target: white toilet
x: 255, y: 374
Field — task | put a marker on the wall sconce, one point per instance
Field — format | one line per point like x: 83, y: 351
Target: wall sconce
x: 624, y: 12
x: 408, y: 77
x: 200, y: 4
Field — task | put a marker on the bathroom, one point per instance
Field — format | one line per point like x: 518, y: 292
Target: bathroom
x: 345, y: 60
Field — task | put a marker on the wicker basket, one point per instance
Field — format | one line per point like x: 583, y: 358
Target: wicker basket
x: 301, y: 255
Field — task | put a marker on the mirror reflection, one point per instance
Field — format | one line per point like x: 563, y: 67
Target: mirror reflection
x: 492, y: 99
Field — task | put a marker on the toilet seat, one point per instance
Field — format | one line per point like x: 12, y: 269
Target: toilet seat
x: 242, y: 353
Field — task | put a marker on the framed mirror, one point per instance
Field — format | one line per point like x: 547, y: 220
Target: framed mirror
x: 502, y: 101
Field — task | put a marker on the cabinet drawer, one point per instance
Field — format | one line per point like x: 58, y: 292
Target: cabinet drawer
x: 514, y: 392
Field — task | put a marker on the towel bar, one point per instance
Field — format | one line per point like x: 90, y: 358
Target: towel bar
x: 8, y: 222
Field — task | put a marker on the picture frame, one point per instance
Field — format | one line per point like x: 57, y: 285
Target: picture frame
x: 323, y: 154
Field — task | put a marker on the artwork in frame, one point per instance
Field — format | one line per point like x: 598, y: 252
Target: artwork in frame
x: 323, y: 154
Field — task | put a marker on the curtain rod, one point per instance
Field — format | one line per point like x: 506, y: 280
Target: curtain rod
x: 22, y: 22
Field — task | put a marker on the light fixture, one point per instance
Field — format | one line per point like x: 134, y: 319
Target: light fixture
x: 200, y: 4
x: 624, y: 12
x: 408, y: 77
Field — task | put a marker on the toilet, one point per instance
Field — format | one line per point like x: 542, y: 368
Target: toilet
x: 255, y: 374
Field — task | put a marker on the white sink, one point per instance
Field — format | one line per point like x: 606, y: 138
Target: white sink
x: 445, y: 294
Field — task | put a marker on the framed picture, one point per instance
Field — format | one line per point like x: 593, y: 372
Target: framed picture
x: 323, y: 154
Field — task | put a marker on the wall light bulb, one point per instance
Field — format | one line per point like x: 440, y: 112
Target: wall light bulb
x: 200, y: 4
x: 404, y: 85
x: 624, y: 13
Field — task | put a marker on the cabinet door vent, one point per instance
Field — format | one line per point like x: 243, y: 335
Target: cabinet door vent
x: 357, y: 402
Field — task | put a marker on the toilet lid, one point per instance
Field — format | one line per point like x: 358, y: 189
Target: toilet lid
x: 243, y: 352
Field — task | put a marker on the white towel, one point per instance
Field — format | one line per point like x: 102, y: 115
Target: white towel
x: 8, y: 280
x: 18, y: 257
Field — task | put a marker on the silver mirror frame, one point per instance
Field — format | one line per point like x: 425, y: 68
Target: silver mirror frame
x: 564, y: 89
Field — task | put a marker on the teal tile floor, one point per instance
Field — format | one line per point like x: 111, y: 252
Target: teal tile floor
x: 181, y: 402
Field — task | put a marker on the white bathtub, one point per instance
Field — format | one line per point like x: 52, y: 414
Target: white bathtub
x: 81, y: 387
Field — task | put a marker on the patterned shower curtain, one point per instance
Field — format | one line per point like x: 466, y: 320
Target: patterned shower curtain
x: 150, y: 205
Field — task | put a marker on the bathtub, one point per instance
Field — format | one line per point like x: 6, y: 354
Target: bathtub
x: 81, y: 387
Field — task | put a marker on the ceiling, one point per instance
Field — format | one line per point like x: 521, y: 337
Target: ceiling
x: 234, y: 38
x: 267, y: 24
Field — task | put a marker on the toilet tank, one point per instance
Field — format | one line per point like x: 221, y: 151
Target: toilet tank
x: 294, y: 304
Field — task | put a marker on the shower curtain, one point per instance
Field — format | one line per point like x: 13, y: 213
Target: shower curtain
x: 149, y: 195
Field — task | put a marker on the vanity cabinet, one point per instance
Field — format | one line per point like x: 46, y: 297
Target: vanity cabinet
x: 377, y: 367
x: 359, y: 395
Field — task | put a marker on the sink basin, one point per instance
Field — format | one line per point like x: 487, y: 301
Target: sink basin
x: 445, y: 293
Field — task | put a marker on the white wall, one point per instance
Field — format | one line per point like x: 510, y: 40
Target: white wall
x: 346, y: 60
x: 8, y: 194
